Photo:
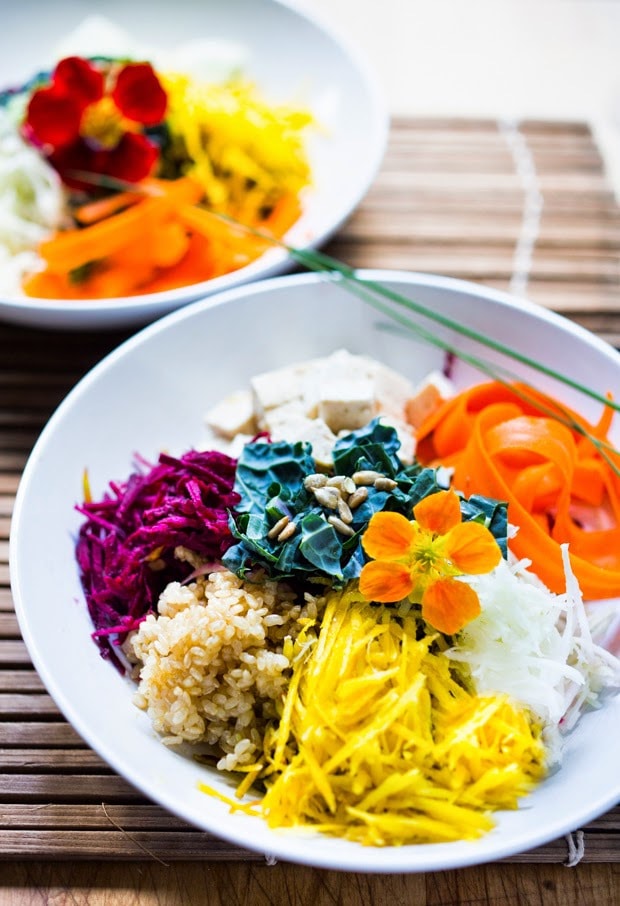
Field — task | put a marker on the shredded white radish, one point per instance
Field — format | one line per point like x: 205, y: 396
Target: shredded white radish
x: 31, y: 205
x: 537, y: 647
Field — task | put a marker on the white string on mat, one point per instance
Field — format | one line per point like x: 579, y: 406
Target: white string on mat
x: 533, y: 203
x: 576, y: 848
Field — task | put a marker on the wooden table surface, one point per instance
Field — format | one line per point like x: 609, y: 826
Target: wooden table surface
x: 449, y: 199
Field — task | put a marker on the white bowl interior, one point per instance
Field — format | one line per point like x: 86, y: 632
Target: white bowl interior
x: 292, y: 56
x: 151, y: 394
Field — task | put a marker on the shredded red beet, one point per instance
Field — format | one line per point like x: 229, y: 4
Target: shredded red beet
x: 125, y: 548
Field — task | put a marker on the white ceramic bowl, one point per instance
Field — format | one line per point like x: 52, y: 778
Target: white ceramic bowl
x: 291, y: 55
x: 152, y: 393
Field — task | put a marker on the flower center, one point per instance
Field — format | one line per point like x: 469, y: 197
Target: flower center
x: 102, y: 124
x: 429, y: 551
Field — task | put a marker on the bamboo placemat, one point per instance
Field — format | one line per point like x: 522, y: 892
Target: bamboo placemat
x: 449, y: 199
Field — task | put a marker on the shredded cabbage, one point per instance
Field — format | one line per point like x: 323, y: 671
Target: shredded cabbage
x: 32, y: 205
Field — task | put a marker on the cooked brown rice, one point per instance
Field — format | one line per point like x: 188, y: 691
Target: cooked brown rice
x: 215, y: 662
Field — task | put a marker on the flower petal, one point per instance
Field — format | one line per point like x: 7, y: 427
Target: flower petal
x: 448, y: 605
x: 389, y: 536
x: 52, y: 118
x: 79, y: 80
x: 439, y: 512
x: 132, y: 159
x: 138, y: 94
x: 70, y: 160
x: 472, y: 548
x: 385, y: 581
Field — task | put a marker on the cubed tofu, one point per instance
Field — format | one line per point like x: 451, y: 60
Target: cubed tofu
x: 392, y: 390
x: 333, y: 369
x: 346, y: 404
x: 279, y: 417
x: 312, y: 430
x: 275, y: 388
x: 233, y: 415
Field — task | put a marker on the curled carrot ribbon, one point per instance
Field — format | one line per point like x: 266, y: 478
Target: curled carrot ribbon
x: 558, y: 486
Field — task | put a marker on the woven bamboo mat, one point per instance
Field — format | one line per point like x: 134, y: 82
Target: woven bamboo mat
x: 449, y: 199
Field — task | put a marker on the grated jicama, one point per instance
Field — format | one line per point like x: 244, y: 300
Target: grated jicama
x: 536, y: 647
x: 31, y: 205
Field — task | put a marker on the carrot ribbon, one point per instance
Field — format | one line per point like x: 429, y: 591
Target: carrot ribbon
x: 558, y: 486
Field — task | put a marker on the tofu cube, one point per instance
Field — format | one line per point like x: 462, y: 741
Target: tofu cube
x: 392, y: 390
x: 288, y: 423
x: 233, y: 415
x: 347, y: 404
x: 275, y: 388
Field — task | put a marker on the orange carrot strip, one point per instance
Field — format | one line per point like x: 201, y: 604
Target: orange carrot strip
x: 94, y: 211
x: 148, y: 240
x: 285, y: 213
x: 196, y: 266
x: 183, y: 190
x: 71, y: 249
x: 558, y: 487
x: 169, y: 244
x: 44, y: 285
x: 217, y: 230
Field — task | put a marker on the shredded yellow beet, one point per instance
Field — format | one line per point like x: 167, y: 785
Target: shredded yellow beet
x: 380, y: 744
x: 245, y: 153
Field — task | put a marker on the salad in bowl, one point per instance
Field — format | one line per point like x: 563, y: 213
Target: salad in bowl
x: 138, y: 174
x: 353, y: 595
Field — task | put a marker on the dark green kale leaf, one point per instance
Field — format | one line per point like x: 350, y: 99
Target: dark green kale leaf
x: 270, y: 482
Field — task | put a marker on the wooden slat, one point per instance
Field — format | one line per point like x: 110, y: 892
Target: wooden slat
x: 32, y: 732
x: 51, y: 760
x: 90, y: 817
x: 447, y: 200
x: 8, y: 625
x: 6, y: 599
x: 20, y: 681
x: 19, y: 704
x: 116, y: 845
x: 12, y: 652
x: 65, y: 788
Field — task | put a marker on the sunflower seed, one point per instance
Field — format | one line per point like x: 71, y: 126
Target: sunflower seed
x: 327, y: 497
x: 275, y: 530
x: 287, y: 532
x: 344, y: 484
x: 358, y: 497
x: 366, y: 476
x: 340, y: 526
x: 344, y: 511
x: 384, y: 484
x: 315, y: 481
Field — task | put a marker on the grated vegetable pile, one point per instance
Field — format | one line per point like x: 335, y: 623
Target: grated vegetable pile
x: 127, y: 549
x: 379, y: 743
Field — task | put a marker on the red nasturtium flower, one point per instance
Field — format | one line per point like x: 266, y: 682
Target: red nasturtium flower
x: 92, y: 119
x: 421, y: 559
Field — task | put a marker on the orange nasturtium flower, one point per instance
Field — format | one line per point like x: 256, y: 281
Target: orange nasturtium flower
x: 420, y: 559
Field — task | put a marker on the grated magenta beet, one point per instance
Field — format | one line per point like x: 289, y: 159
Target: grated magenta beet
x: 125, y: 548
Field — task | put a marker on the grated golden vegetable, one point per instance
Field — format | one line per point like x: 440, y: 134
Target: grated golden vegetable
x: 379, y: 743
x: 245, y: 153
